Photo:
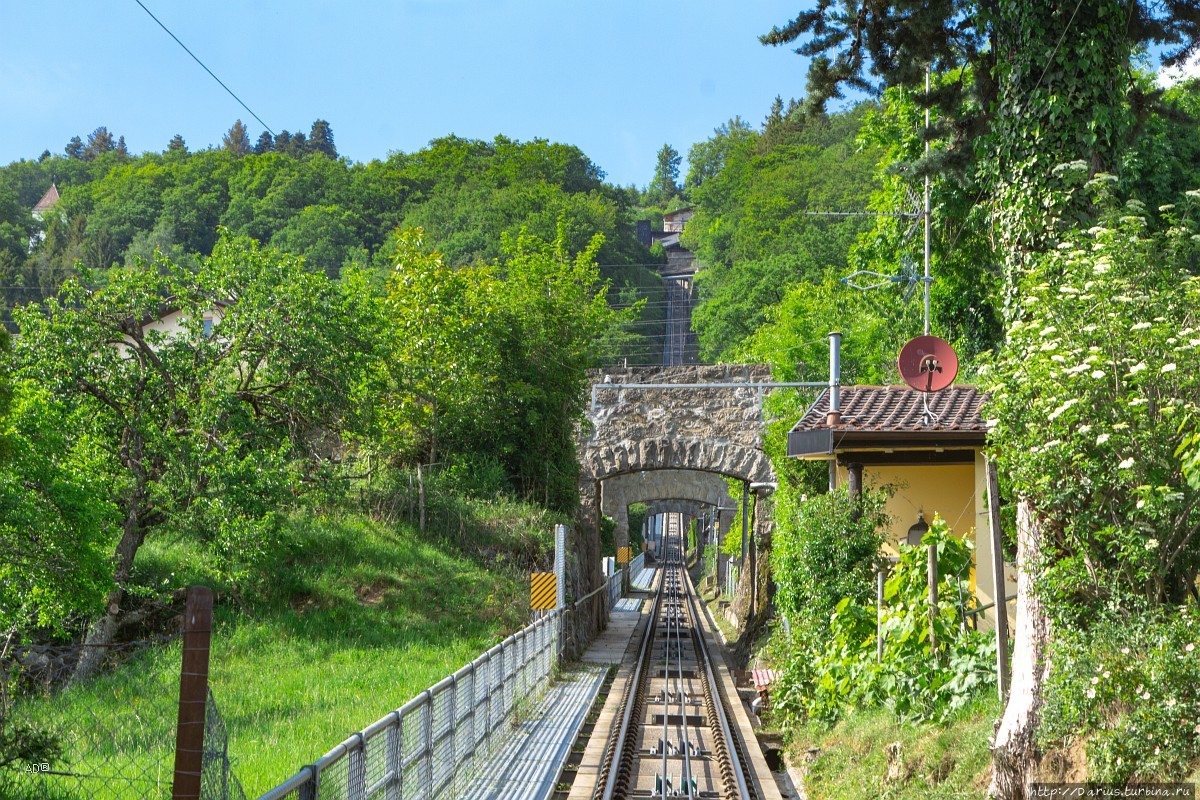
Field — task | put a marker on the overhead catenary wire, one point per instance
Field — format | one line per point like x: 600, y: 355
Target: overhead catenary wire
x: 196, y: 58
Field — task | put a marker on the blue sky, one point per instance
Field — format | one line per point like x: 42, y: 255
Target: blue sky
x: 616, y: 78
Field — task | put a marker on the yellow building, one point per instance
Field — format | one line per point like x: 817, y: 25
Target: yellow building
x: 927, y: 449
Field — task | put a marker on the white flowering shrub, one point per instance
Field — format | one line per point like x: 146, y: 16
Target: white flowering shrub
x: 1101, y: 370
x: 1132, y: 687
x: 1094, y: 402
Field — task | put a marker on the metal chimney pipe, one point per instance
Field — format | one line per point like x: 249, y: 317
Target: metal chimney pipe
x: 835, y: 379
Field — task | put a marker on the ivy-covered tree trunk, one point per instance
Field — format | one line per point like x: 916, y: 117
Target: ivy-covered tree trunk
x: 1063, y: 78
x: 103, y: 631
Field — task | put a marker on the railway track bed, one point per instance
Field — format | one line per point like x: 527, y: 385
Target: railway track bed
x: 668, y: 728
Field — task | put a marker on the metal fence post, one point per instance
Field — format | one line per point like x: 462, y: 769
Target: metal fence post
x: 933, y: 597
x: 393, y: 744
x: 193, y: 694
x: 880, y: 581
x: 426, y: 719
x: 356, y: 771
x: 487, y: 691
x: 560, y: 564
x: 453, y: 732
x: 469, y: 717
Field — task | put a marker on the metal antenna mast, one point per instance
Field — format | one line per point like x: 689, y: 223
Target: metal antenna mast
x: 908, y: 274
x: 928, y: 218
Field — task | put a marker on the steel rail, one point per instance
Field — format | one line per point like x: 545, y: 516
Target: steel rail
x: 681, y: 597
x: 724, y: 772
x: 718, y: 705
x: 631, y: 695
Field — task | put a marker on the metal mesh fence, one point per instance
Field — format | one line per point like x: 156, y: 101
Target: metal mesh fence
x: 110, y: 737
x: 434, y: 745
x: 217, y: 781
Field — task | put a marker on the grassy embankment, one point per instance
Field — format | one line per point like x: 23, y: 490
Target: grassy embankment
x: 355, y: 618
x: 870, y: 754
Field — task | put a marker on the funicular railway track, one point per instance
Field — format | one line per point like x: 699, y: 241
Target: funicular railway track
x: 673, y: 737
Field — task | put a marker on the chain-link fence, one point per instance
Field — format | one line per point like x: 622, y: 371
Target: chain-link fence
x: 111, y: 736
x: 217, y: 781
x: 615, y: 587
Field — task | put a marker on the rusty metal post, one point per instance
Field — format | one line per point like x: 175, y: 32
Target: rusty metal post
x: 193, y: 693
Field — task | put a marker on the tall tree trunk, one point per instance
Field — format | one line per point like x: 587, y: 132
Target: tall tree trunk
x: 421, y: 497
x: 1014, y: 749
x: 102, y: 633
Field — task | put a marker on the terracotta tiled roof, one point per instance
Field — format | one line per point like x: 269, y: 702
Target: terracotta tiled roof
x: 899, y: 409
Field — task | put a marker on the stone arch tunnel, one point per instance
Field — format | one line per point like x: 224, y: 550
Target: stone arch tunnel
x: 666, y: 435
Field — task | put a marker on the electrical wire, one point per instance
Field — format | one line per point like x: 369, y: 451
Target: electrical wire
x: 205, y: 67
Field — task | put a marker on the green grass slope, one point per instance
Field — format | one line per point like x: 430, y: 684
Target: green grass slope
x: 350, y: 621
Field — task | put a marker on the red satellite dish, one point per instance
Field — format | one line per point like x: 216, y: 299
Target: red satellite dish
x: 928, y: 364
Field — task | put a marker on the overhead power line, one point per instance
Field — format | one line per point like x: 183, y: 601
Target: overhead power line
x: 206, y: 69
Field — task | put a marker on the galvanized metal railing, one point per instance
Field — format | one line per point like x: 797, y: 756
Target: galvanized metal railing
x: 731, y: 579
x: 615, y: 586
x: 435, y: 744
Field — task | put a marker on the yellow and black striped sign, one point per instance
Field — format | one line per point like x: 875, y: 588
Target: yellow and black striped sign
x: 624, y: 555
x: 543, y: 591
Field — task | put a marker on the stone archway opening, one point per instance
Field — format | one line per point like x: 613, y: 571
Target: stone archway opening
x: 666, y: 434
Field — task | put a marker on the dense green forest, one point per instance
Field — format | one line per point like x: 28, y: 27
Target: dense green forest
x: 293, y: 193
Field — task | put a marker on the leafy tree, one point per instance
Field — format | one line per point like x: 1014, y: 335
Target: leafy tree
x: 1028, y: 118
x: 439, y: 358
x: 55, y: 528
x: 211, y: 433
x: 16, y: 226
x: 665, y: 183
x: 320, y: 139
x: 965, y: 294
x: 751, y: 231
x: 327, y: 237
x: 298, y: 147
x: 74, y: 148
x: 707, y: 158
x: 121, y: 150
x: 492, y: 359
x: 177, y: 144
x: 236, y: 141
x: 551, y: 319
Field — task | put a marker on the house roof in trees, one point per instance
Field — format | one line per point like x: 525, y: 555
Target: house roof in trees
x: 891, y: 418
x: 48, y: 200
x: 171, y: 305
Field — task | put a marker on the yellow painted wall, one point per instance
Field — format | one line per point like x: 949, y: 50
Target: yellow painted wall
x: 946, y: 489
x: 958, y: 492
